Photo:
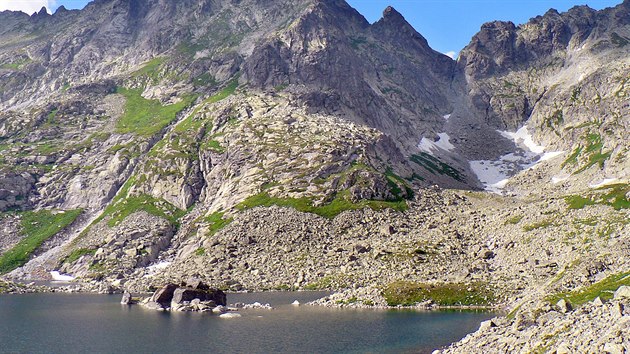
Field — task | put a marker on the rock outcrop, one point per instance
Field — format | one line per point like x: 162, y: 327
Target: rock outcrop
x: 195, y: 296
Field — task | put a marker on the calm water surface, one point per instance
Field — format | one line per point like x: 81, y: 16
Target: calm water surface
x: 80, y: 323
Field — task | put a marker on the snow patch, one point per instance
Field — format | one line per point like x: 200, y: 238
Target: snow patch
x: 155, y: 268
x: 447, y: 117
x: 604, y: 182
x: 522, y: 136
x: 443, y: 143
x: 56, y: 276
x: 550, y: 155
x: 558, y: 179
x: 495, y: 175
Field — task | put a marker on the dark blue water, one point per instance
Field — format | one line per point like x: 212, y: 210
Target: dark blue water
x: 79, y: 323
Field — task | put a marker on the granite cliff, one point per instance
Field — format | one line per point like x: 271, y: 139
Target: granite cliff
x: 293, y: 145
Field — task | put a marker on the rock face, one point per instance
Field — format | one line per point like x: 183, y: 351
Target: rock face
x: 293, y: 145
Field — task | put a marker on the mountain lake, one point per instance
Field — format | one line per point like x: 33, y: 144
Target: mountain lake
x: 84, y: 323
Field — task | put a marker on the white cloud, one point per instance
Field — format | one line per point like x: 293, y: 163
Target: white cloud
x: 451, y: 54
x: 28, y: 6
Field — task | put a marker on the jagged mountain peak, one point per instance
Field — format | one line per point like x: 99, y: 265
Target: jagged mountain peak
x: 391, y: 13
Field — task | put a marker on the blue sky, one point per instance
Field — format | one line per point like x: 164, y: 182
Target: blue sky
x: 448, y: 25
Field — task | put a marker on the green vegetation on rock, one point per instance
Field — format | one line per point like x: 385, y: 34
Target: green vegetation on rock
x: 147, y: 117
x: 338, y: 205
x: 18, y: 64
x: 214, y: 146
x: 78, y: 253
x: 405, y: 293
x: 124, y: 205
x: 158, y: 207
x: 603, y: 289
x: 615, y: 195
x: 514, y: 220
x: 192, y: 122
x: 435, y: 166
x: 226, y: 92
x: 216, y: 222
x: 328, y: 282
x: 589, y: 154
x: 37, y: 227
x: 538, y: 225
x: 150, y: 69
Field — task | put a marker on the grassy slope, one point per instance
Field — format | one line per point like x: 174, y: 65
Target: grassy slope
x: 147, y: 117
x: 37, y: 227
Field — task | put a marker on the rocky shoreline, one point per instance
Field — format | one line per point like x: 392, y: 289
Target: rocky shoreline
x: 446, y: 238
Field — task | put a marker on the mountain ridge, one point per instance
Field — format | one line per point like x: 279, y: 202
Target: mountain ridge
x: 276, y: 145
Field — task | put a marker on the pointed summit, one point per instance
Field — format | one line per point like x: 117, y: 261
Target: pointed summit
x: 393, y: 27
x: 390, y: 14
x: 43, y: 12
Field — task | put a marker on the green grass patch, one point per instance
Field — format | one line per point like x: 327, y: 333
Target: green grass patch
x: 328, y: 282
x: 338, y: 205
x: 17, y: 65
x: 52, y: 115
x: 150, y: 69
x: 603, y: 289
x: 514, y: 220
x: 538, y: 225
x: 614, y: 195
x: 405, y: 293
x: 216, y: 222
x: 226, y: 92
x: 436, y: 166
x: 395, y: 182
x: 190, y: 49
x: 205, y: 79
x: 78, y: 253
x: 147, y: 117
x: 192, y: 122
x: 589, y: 154
x: 124, y: 205
x: 158, y: 207
x: 214, y: 146
x: 573, y: 158
x: 48, y: 148
x: 37, y: 227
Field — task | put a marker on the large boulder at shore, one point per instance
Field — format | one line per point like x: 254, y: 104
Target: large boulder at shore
x: 174, y: 296
x: 164, y: 296
x: 189, y: 294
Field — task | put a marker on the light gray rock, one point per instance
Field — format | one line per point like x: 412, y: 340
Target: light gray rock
x: 622, y: 293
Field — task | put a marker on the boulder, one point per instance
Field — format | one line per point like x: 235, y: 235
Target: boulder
x: 164, y: 296
x: 196, y: 284
x: 486, y: 254
x: 188, y: 294
x: 622, y: 293
x: 126, y: 299
x: 563, y: 306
